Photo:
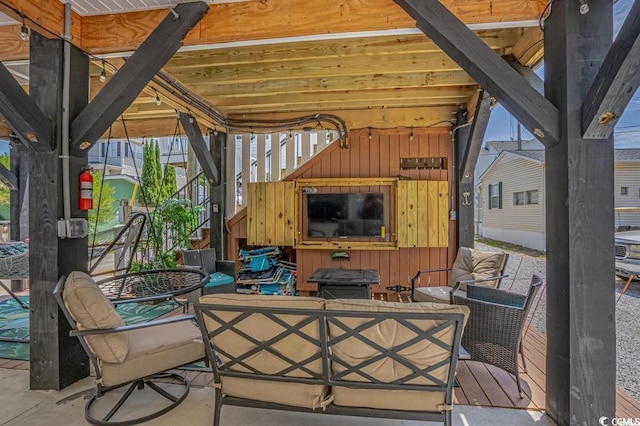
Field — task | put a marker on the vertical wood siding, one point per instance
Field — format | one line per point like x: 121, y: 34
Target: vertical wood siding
x: 374, y: 153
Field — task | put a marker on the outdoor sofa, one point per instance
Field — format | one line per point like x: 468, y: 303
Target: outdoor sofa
x: 342, y: 356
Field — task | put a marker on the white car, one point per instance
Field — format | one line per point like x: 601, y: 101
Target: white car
x: 628, y: 254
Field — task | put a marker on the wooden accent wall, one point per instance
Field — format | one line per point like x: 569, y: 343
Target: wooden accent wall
x: 423, y: 213
x: 373, y: 153
x: 271, y: 214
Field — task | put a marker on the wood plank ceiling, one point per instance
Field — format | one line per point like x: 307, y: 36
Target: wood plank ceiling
x: 400, y: 80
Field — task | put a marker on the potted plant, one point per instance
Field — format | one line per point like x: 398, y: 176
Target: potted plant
x: 174, y: 222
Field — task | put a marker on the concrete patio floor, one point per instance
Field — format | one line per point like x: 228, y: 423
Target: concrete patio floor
x: 23, y: 407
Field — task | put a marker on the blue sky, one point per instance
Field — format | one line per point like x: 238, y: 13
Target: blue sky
x: 502, y: 126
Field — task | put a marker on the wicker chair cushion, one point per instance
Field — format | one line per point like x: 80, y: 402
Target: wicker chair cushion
x: 474, y: 264
x: 434, y: 294
x: 263, y: 329
x: 91, y: 310
x: 155, y: 349
x: 389, y: 334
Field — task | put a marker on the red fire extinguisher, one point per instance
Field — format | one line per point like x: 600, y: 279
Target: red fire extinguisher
x: 86, y: 190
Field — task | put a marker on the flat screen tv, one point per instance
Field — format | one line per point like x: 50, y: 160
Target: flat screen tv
x: 344, y: 215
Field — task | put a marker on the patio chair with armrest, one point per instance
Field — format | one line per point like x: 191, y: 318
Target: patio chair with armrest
x: 135, y: 355
x: 471, y: 266
x: 493, y: 334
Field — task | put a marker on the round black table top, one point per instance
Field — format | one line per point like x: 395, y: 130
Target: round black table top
x: 153, y: 285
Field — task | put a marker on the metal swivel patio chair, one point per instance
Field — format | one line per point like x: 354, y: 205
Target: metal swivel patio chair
x: 493, y: 334
x: 134, y: 355
x: 470, y: 267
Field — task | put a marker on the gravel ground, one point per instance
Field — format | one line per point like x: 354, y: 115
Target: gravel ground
x: 523, y: 263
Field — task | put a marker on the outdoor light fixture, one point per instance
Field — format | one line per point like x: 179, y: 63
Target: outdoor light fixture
x: 584, y: 7
x: 157, y: 98
x: 103, y: 74
x: 24, y: 31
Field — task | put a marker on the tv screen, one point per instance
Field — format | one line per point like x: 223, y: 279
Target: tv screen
x: 345, y: 215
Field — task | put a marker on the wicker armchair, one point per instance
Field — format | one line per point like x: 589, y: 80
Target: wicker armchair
x: 493, y: 334
x: 471, y: 266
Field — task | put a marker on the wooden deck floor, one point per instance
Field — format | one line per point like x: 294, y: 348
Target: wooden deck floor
x: 479, y: 384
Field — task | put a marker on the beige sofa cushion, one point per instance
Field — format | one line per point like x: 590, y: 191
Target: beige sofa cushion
x: 91, y: 310
x: 389, y: 334
x: 474, y: 264
x: 262, y: 329
x: 156, y: 349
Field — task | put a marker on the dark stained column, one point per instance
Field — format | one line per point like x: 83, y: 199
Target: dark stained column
x: 462, y: 130
x: 18, y: 199
x: 217, y: 141
x: 57, y: 359
x: 581, y: 354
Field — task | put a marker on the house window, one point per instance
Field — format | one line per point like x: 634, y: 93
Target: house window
x: 525, y: 197
x: 495, y: 195
x: 113, y: 148
x: 624, y: 190
x: 518, y: 198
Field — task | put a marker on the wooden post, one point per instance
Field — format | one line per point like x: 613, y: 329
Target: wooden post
x: 57, y: 360
x: 581, y: 336
x: 246, y: 166
x: 18, y: 200
x: 230, y: 173
x: 465, y: 212
x: 275, y: 157
x: 290, y: 153
x: 217, y: 141
x: 261, y: 158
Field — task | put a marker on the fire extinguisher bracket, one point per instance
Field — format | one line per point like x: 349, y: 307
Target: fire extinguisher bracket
x: 73, y: 228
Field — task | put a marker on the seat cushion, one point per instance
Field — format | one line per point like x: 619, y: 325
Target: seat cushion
x: 388, y: 334
x: 156, y: 349
x: 262, y: 329
x: 471, y: 264
x: 434, y: 294
x: 91, y: 310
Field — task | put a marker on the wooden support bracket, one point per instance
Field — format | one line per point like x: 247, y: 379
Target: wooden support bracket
x: 8, y: 178
x: 617, y: 80
x: 533, y: 110
x: 199, y: 146
x: 124, y: 86
x: 476, y: 136
x: 22, y: 114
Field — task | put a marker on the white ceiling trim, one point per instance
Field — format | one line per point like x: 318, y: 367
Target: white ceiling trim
x: 107, y: 7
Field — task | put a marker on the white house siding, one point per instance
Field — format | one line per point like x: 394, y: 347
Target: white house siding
x: 522, y: 224
x: 627, y: 174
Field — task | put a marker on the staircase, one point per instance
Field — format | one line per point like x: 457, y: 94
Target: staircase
x: 261, y: 165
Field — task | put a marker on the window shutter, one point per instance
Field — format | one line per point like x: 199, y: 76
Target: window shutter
x: 489, y: 193
x: 499, y: 195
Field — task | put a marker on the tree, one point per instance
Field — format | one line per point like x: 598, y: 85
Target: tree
x: 151, y: 183
x: 169, y: 184
x: 103, y: 199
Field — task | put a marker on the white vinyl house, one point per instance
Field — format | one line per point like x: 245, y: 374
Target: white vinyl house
x: 511, y: 196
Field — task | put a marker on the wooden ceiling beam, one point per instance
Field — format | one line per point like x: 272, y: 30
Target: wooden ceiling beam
x: 375, y: 95
x: 12, y: 47
x: 529, y: 50
x: 43, y: 16
x: 356, y: 66
x: 383, y: 118
x: 260, y: 19
x: 331, y: 49
x: 321, y: 84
